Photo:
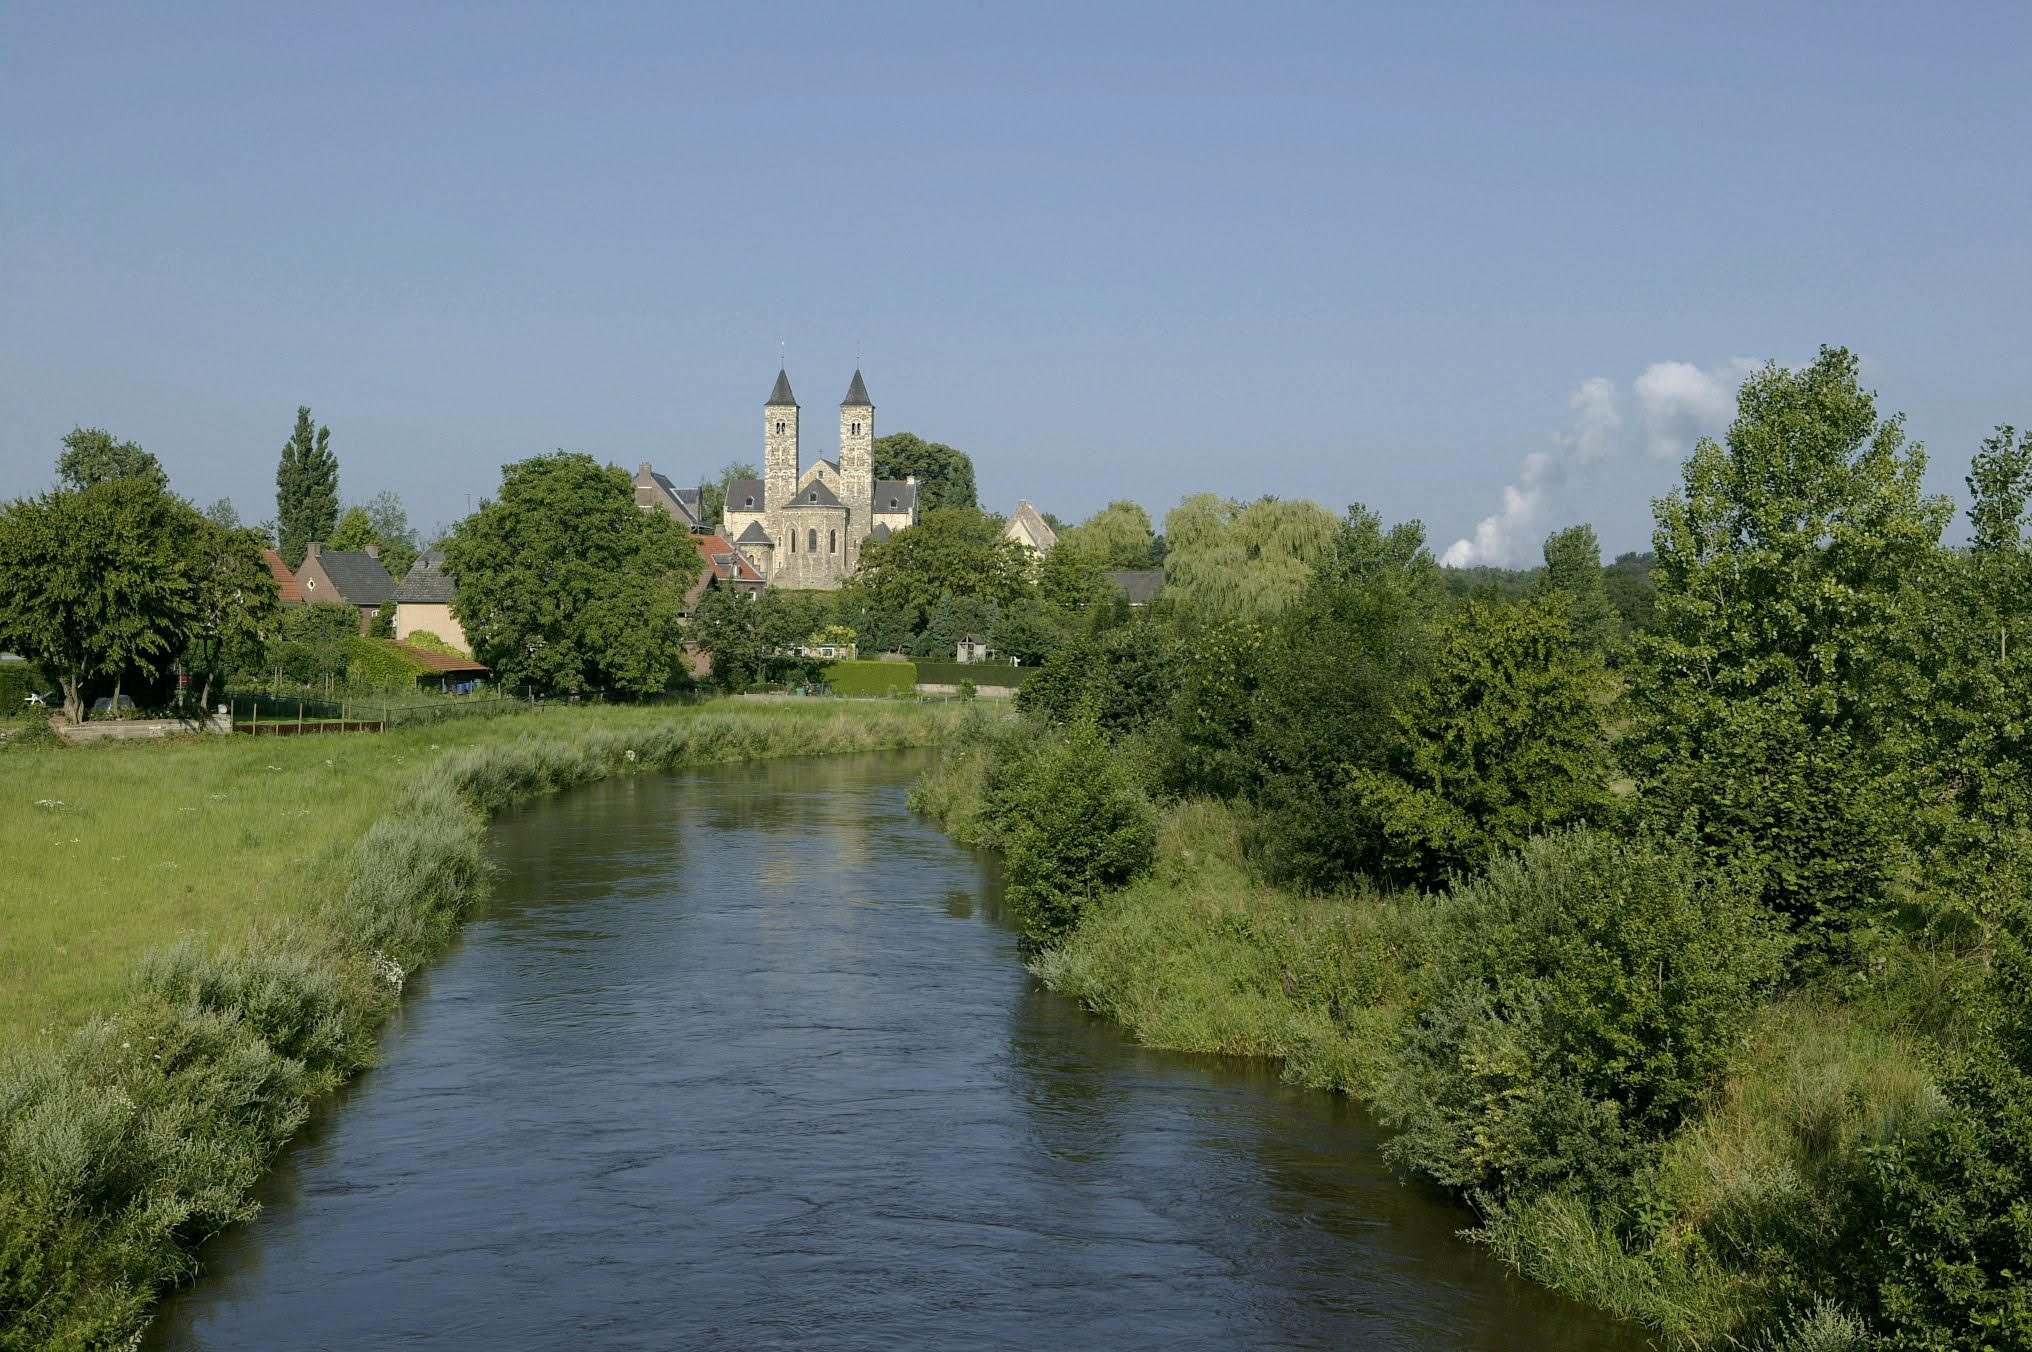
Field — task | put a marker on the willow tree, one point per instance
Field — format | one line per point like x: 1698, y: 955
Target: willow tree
x: 1245, y: 562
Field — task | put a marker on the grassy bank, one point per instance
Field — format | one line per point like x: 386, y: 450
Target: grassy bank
x: 1727, y: 1227
x: 310, y: 878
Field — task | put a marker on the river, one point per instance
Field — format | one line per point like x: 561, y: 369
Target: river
x: 747, y: 1057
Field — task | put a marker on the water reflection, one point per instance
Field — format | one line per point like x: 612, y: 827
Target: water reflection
x: 748, y: 1057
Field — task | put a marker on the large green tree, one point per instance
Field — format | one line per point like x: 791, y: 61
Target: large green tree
x: 951, y: 551
x: 1117, y: 536
x: 1573, y: 566
x: 91, y: 455
x: 236, y: 609
x: 1247, y: 562
x: 306, y: 490
x: 1773, y: 692
x: 945, y: 476
x: 100, y: 581
x: 566, y: 586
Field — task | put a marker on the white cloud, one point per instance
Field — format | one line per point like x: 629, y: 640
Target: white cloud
x: 1676, y: 403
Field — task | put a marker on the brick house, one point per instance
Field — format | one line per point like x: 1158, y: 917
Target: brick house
x: 339, y: 577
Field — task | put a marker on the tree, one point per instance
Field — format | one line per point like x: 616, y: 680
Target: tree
x: 566, y: 586
x: 1502, y: 739
x: 951, y: 551
x: 1631, y: 590
x: 1117, y: 536
x: 237, y: 607
x: 354, y: 532
x: 1772, y: 691
x: 224, y: 514
x: 1573, y: 566
x: 945, y: 477
x: 725, y: 625
x: 713, y: 496
x: 1078, y: 827
x: 392, y: 531
x: 99, y: 581
x: 91, y: 456
x: 306, y: 490
x: 1245, y: 562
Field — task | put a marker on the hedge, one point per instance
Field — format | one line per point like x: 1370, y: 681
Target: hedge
x: 17, y: 681
x: 871, y: 678
x: 980, y: 673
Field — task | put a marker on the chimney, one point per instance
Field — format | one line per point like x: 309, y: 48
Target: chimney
x: 373, y: 551
x: 311, y: 552
x: 643, y: 473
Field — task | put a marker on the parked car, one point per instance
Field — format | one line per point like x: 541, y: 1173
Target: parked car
x: 105, y: 702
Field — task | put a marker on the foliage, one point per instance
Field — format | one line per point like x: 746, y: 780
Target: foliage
x: 1771, y: 692
x: 951, y: 551
x: 1580, y: 1000
x: 1248, y: 562
x: 565, y: 585
x: 354, y: 532
x: 91, y: 456
x: 306, y: 490
x: 945, y: 477
x: 996, y: 674
x: 1117, y: 536
x: 236, y: 608
x: 1631, y: 590
x: 1120, y: 678
x: 1501, y: 739
x: 1024, y: 630
x: 1332, y: 669
x: 1944, y: 1238
x: 224, y: 514
x: 1573, y: 565
x: 870, y: 678
x: 19, y: 680
x: 1077, y: 828
x: 100, y: 581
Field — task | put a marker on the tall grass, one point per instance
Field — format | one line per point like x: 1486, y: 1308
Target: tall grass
x: 127, y: 1142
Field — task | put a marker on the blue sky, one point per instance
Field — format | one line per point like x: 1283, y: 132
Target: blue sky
x: 1345, y: 253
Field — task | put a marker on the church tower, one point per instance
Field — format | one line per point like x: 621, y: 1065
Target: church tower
x: 857, y: 465
x: 779, y: 446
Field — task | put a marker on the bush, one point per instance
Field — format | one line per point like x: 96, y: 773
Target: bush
x: 1580, y: 999
x: 1078, y: 827
x: 871, y: 678
x: 18, y: 680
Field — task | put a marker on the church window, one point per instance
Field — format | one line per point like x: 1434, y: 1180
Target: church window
x: 832, y: 542
x: 814, y: 495
x: 857, y: 429
x: 779, y: 429
x: 811, y: 542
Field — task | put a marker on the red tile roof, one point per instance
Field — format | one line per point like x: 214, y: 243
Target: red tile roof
x: 444, y: 662
x: 285, y: 581
x: 728, y: 563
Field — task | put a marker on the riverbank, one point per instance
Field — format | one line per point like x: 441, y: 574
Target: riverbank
x: 1727, y: 1229
x: 310, y: 890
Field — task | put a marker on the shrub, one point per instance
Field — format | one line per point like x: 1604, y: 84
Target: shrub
x: 1078, y: 827
x: 18, y: 680
x: 980, y: 673
x: 1580, y: 999
x: 871, y: 678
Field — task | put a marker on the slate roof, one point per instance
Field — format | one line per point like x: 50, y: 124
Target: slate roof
x: 742, y: 489
x: 358, y: 575
x: 816, y: 494
x: 426, y: 582
x: 902, y: 494
x: 685, y: 498
x: 286, y: 585
x: 781, y: 397
x: 857, y: 394
x: 1137, y: 585
x: 882, y: 531
x: 754, y: 535
x: 1034, y: 525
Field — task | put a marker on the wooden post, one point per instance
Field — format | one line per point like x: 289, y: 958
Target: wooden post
x: 299, y: 717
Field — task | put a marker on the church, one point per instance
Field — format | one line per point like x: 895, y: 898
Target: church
x: 803, y: 528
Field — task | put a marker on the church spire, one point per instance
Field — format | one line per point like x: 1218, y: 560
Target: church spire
x: 781, y: 397
x: 857, y: 393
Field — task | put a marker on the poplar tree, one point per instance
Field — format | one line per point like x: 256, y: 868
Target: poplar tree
x: 306, y: 489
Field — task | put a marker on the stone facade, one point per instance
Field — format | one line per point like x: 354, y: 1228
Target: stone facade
x: 803, y: 528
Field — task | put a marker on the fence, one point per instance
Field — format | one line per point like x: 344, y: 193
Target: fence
x: 288, y: 716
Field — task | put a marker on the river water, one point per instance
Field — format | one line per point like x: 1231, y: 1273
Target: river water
x: 747, y: 1057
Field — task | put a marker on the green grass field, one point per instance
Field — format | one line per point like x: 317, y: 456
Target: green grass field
x: 108, y: 851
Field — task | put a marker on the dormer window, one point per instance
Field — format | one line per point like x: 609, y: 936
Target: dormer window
x: 814, y: 496
x: 750, y: 502
x: 892, y: 504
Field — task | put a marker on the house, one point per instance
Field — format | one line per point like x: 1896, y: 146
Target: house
x: 653, y: 492
x: 286, y: 586
x: 1137, y: 586
x: 423, y: 602
x: 341, y: 577
x: 1027, y: 527
x: 972, y: 648
x: 724, y: 566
